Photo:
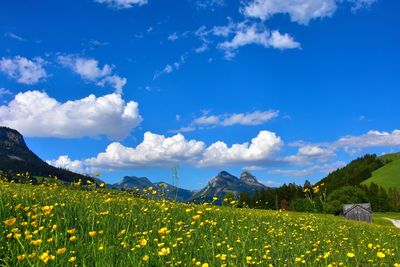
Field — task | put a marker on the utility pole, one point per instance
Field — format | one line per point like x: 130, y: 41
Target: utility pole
x: 175, y: 179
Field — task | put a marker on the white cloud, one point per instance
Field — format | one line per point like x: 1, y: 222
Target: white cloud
x: 89, y: 70
x: 351, y: 144
x: 115, y: 81
x: 369, y: 139
x: 308, y: 153
x: 324, y: 169
x: 207, y: 120
x: 247, y: 34
x: 183, y: 130
x: 34, y: 113
x: 209, y: 3
x: 282, y: 41
x: 170, y: 67
x: 359, y: 4
x: 160, y: 151
x: 155, y: 150
x: 252, y: 118
x: 229, y: 119
x: 4, y: 91
x: 270, y: 183
x: 300, y: 11
x: 261, y: 148
x: 252, y: 168
x: 14, y: 36
x: 122, y: 4
x: 66, y: 163
x: 24, y: 70
x: 173, y: 37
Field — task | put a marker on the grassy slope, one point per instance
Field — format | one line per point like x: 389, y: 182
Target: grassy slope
x: 388, y: 175
x: 378, y: 217
x: 134, y: 228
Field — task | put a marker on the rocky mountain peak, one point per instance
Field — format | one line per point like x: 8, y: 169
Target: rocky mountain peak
x: 10, y: 137
x: 247, y: 177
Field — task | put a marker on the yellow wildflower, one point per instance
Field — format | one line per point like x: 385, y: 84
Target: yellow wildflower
x: 10, y: 222
x: 380, y: 255
x: 61, y: 251
x: 92, y: 233
x: 350, y: 255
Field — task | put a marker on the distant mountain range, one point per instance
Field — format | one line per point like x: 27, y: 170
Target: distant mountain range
x: 17, y: 158
x: 167, y: 190
x: 218, y: 186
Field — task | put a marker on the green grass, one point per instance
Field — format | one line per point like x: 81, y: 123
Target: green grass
x: 378, y: 218
x: 388, y: 175
x: 149, y: 232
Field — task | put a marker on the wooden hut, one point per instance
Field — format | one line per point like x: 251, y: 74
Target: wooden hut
x: 358, y: 212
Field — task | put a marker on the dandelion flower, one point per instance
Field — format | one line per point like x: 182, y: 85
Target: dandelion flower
x: 350, y: 255
x: 380, y: 255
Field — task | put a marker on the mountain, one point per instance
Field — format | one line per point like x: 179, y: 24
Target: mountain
x: 16, y: 157
x: 225, y: 182
x: 129, y: 182
x: 388, y: 175
x: 166, y: 190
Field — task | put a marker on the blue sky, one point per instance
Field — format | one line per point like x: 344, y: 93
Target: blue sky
x: 314, y: 84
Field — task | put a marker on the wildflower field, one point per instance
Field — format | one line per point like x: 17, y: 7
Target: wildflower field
x: 67, y: 226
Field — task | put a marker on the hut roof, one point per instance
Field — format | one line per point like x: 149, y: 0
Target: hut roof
x: 348, y: 207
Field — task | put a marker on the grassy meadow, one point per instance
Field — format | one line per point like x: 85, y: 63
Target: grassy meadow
x: 386, y: 176
x: 66, y: 226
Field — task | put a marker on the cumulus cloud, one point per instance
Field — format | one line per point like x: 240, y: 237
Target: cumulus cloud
x: 160, y: 151
x: 261, y: 148
x: 66, y: 163
x: 310, y: 153
x: 89, y: 69
x: 282, y: 41
x: 155, y: 150
x: 247, y: 34
x: 34, y: 113
x: 122, y: 4
x: 115, y: 81
x: 23, y: 70
x: 300, y: 11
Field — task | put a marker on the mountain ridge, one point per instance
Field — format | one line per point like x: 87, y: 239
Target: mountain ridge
x: 17, y: 158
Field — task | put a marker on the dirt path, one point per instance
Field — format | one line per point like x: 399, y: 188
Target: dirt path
x: 395, y: 222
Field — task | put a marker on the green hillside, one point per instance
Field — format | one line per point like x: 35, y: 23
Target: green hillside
x: 388, y: 175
